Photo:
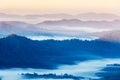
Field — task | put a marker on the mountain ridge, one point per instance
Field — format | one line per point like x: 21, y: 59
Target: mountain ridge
x: 21, y: 52
x: 83, y: 16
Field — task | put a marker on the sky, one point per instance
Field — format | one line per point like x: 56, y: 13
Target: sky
x: 60, y: 6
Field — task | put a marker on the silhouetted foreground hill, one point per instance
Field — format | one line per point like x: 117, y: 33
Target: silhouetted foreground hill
x: 21, y: 52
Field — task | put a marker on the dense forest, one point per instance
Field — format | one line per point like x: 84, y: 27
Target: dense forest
x: 20, y: 52
x: 110, y: 72
x: 49, y: 76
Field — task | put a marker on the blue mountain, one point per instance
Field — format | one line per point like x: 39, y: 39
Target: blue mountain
x: 20, y: 52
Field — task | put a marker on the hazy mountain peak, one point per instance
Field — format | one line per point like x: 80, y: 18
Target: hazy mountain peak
x: 12, y: 35
x: 113, y: 36
x: 15, y: 37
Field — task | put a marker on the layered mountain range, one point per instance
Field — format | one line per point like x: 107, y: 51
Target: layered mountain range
x: 82, y: 16
x: 107, y: 30
x: 66, y: 26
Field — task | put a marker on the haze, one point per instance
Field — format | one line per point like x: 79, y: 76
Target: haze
x: 60, y: 6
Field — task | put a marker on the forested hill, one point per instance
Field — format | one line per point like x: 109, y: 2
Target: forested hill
x: 21, y: 52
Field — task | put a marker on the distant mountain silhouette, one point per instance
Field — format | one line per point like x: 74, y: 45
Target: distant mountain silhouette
x: 113, y: 36
x: 20, y: 52
x: 98, y: 16
x: 8, y: 27
x: 81, y: 23
x: 67, y: 27
x: 21, y: 28
x: 82, y: 16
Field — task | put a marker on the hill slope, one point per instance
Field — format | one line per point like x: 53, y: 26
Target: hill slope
x: 21, y: 52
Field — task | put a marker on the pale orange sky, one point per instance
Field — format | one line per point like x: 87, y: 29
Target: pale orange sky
x: 60, y: 6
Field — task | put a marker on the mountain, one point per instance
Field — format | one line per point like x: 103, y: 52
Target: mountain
x: 36, y: 18
x: 79, y: 23
x: 18, y: 27
x: 59, y: 15
x: 111, y: 72
x: 46, y: 27
x: 76, y: 27
x: 113, y: 36
x: 7, y: 27
x: 82, y: 16
x: 20, y: 52
x: 97, y: 16
x: 64, y: 27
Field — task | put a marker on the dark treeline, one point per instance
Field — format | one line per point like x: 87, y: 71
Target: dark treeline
x: 110, y: 72
x: 20, y: 52
x: 49, y: 76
